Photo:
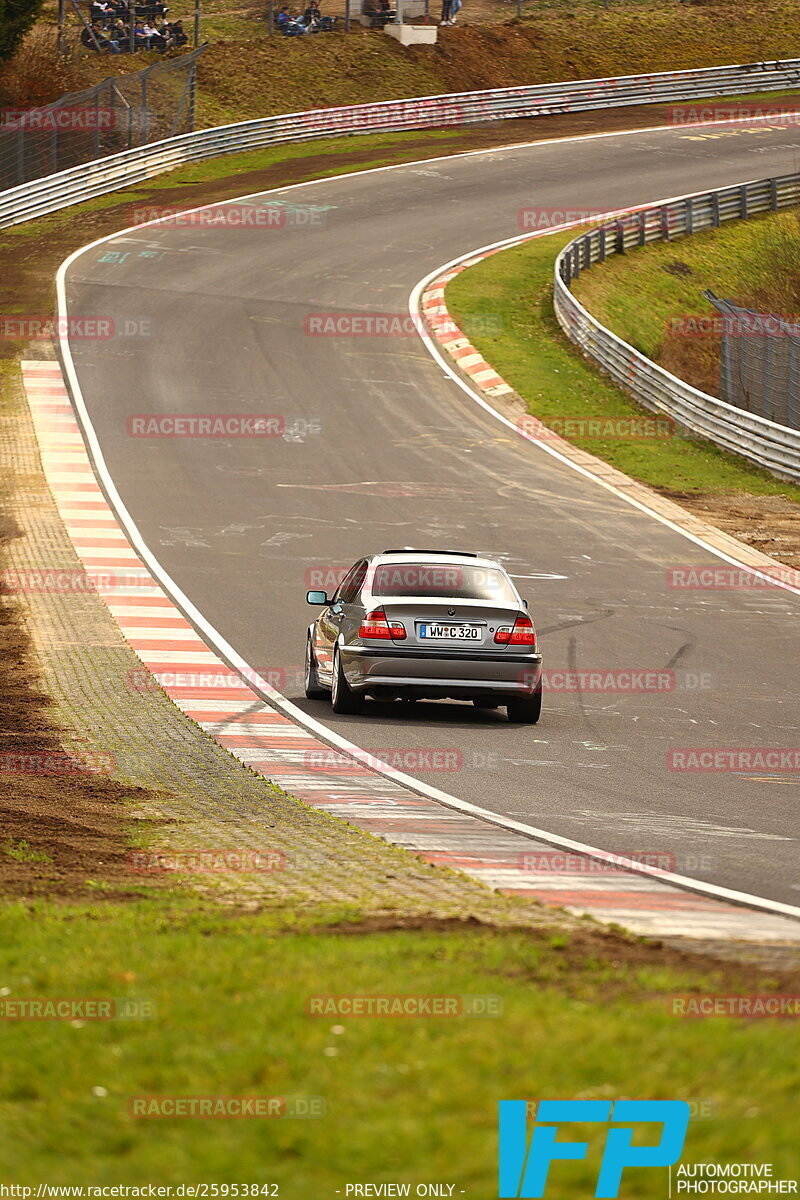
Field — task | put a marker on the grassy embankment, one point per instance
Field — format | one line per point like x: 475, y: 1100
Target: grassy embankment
x: 408, y: 1099
x: 650, y: 298
x: 247, y: 74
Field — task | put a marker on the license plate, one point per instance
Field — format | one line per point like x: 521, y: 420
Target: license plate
x: 451, y: 633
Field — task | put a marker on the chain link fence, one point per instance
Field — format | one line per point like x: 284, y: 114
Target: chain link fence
x: 118, y: 114
x: 759, y: 362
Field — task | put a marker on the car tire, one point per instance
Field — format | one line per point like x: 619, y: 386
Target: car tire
x: 343, y: 698
x: 526, y: 710
x: 313, y: 688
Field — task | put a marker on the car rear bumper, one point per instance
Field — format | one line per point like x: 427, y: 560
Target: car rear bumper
x: 440, y: 673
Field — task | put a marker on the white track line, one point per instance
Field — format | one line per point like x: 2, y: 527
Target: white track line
x: 223, y: 647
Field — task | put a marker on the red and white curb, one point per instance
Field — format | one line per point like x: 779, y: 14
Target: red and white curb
x: 454, y: 341
x: 210, y: 692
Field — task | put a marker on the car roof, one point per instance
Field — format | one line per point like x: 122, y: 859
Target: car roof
x: 438, y: 557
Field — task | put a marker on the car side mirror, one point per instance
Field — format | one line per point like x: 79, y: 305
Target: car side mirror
x: 524, y: 603
x: 317, y: 598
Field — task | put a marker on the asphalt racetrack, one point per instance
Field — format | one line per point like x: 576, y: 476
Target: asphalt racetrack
x: 386, y: 451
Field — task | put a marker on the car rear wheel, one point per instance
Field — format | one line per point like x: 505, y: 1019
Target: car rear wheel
x: 313, y: 688
x: 343, y: 698
x: 526, y: 710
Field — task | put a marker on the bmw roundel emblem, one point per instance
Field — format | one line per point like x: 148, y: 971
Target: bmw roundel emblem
x: 451, y: 612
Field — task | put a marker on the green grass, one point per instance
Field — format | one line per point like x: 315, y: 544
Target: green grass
x: 638, y: 294
x: 408, y: 1099
x: 540, y: 363
x: 22, y: 852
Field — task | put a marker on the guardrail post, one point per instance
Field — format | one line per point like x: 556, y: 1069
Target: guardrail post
x: 743, y: 202
x: 715, y: 210
x: 21, y: 153
x: 773, y: 195
x: 576, y: 261
x: 620, y: 237
x: 793, y: 390
x: 689, y: 217
x: 143, y: 123
x: 96, y: 138
x: 642, y: 229
x: 601, y: 255
x: 767, y: 401
x: 665, y: 223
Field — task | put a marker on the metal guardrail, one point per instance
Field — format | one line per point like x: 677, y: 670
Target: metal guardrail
x: 776, y: 447
x: 85, y: 182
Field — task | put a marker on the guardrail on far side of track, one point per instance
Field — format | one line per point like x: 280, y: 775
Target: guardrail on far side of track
x: 84, y: 182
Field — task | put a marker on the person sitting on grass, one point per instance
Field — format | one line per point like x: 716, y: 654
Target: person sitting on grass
x: 288, y: 24
x: 96, y: 39
x: 312, y: 16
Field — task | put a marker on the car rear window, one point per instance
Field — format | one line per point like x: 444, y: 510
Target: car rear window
x: 456, y: 581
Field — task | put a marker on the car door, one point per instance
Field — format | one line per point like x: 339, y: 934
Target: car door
x: 350, y: 601
x: 333, y: 619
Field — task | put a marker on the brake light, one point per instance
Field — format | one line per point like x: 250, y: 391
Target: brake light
x: 375, y: 625
x: 523, y: 633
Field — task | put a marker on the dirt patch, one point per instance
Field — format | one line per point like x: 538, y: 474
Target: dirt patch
x: 770, y: 524
x: 59, y: 833
x: 734, y: 966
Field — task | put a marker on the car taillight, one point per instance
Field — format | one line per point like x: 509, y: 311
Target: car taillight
x: 523, y: 633
x: 375, y: 625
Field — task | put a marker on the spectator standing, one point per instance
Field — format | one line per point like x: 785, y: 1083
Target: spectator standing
x: 445, y: 12
x: 455, y: 9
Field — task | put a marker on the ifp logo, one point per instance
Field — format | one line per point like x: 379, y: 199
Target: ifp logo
x: 524, y: 1168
